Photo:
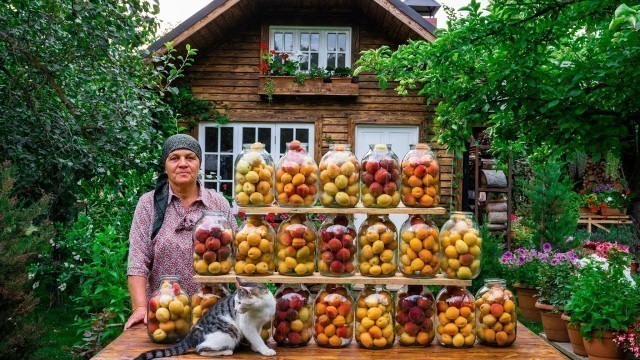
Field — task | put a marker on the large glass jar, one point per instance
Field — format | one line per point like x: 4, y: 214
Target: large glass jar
x: 419, y: 247
x: 254, y: 176
x: 296, y: 177
x: 292, y: 325
x: 205, y: 298
x: 460, y: 247
x: 415, y: 311
x: 374, y: 318
x: 255, y: 244
x: 497, y: 320
x: 339, y: 177
x: 296, y: 248
x: 377, y: 244
x: 420, y: 177
x: 336, y: 246
x: 169, y: 313
x: 212, y: 237
x: 333, y: 320
x: 380, y: 174
x: 455, y: 318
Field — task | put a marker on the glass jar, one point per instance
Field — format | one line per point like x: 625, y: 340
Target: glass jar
x: 420, y: 177
x: 339, y: 177
x: 333, y: 320
x: 169, y: 313
x: 254, y: 176
x: 205, y: 298
x: 460, y: 247
x: 212, y: 249
x: 497, y: 320
x: 377, y: 244
x: 380, y: 174
x: 337, y: 249
x: 419, y: 247
x: 293, y: 320
x: 415, y: 312
x: 296, y: 247
x: 455, y: 317
x: 296, y: 177
x: 374, y: 318
x: 255, y: 244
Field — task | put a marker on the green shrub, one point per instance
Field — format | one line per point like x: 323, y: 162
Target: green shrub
x: 490, y: 268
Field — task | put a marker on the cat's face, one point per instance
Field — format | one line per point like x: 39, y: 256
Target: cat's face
x: 253, y: 294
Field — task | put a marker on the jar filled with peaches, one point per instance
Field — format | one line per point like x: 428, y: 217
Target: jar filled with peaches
x: 415, y: 311
x: 336, y: 246
x: 333, y: 320
x: 339, y: 177
x: 205, y: 298
x: 295, y: 246
x: 292, y: 324
x: 497, y: 319
x: 380, y: 174
x: 296, y: 177
x: 419, y: 247
x: 254, y: 176
x: 377, y: 245
x: 420, y: 177
x: 212, y: 249
x: 169, y: 312
x: 255, y: 247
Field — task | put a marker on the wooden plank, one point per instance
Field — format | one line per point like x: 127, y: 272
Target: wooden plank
x: 354, y: 210
x: 316, y: 278
x: 528, y: 345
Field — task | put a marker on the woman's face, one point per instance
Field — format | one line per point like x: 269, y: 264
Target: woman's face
x: 182, y: 167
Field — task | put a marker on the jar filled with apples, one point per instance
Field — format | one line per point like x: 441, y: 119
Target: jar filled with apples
x: 336, y: 246
x: 380, y: 174
x: 212, y: 237
x: 254, y: 176
x: 292, y: 324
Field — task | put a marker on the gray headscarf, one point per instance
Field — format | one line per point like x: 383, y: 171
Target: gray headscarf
x: 161, y: 194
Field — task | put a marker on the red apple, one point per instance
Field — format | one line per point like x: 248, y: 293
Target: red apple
x: 282, y: 304
x: 343, y: 255
x: 296, y: 303
x: 368, y: 179
x: 224, y: 253
x: 337, y: 267
x: 390, y: 188
x: 199, y: 248
x: 376, y: 189
x: 213, y: 244
x: 226, y: 238
x: 335, y: 245
x: 210, y: 256
x: 382, y: 176
x: 372, y: 167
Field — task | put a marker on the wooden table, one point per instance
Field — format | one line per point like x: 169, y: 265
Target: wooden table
x: 600, y: 221
x: 528, y: 345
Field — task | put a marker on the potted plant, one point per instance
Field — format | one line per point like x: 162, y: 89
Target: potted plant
x: 605, y: 298
x: 614, y: 198
x: 629, y: 341
x: 523, y: 266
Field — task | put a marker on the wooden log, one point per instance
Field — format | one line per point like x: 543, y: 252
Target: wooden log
x: 498, y: 217
x: 496, y: 206
x: 497, y: 227
x: 493, y: 178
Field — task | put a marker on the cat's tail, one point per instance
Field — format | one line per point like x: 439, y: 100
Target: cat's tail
x: 180, y: 348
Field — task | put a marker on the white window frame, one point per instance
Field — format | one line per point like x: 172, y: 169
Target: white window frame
x: 323, y: 30
x: 237, y: 140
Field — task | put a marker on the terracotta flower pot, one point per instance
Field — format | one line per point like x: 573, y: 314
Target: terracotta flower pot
x: 575, y: 337
x: 554, y: 327
x: 526, y: 302
x: 602, y: 348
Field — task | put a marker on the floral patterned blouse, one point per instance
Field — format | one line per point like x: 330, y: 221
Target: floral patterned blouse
x: 170, y: 253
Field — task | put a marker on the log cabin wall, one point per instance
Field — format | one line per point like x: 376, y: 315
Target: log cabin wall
x: 227, y: 73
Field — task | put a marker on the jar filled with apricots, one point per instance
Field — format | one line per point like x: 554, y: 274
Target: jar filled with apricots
x: 380, y: 174
x: 420, y: 177
x: 296, y: 177
x: 419, y: 247
x: 375, y: 318
x: 333, y: 320
x: 212, y: 248
x: 455, y: 317
x: 292, y: 324
x: 254, y: 176
x: 460, y: 247
x: 497, y: 320
x: 377, y: 245
x: 205, y: 298
x: 415, y: 312
x: 169, y: 312
x: 296, y: 247
x: 255, y: 247
x: 339, y: 177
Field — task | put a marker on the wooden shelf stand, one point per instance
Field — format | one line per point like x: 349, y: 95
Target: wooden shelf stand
x: 354, y: 210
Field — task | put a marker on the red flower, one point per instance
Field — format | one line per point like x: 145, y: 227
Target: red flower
x: 263, y: 46
x: 582, y: 192
x: 272, y: 52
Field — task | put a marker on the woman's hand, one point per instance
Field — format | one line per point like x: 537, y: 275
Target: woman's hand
x: 139, y: 315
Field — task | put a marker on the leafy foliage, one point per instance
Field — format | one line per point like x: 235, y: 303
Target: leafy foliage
x: 490, y: 267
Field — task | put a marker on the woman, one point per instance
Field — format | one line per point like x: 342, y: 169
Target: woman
x: 160, y: 241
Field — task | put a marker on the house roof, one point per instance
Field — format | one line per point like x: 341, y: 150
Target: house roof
x: 202, y: 22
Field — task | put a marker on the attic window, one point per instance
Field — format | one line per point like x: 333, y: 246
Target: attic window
x: 313, y: 46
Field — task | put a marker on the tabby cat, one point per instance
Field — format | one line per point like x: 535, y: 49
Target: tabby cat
x: 219, y: 331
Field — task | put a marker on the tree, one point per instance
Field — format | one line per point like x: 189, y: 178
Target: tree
x: 559, y: 74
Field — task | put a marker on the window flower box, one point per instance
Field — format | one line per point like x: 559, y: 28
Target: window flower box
x: 284, y: 85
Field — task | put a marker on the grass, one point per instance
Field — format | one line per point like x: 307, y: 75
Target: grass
x: 59, y: 337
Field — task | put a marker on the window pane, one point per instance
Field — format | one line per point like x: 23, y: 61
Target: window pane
x: 341, y: 60
x: 314, y: 59
x: 226, y: 139
x: 304, y: 42
x: 248, y: 135
x: 331, y: 42
x: 264, y: 136
x: 302, y: 135
x: 278, y: 41
x: 331, y: 60
x: 210, y: 185
x: 211, y: 165
x: 226, y: 167
x: 342, y: 42
x: 226, y: 188
x: 286, y: 135
x: 211, y: 139
x: 288, y: 41
x: 315, y: 42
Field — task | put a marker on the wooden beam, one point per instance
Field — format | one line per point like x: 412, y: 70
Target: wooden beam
x: 406, y: 19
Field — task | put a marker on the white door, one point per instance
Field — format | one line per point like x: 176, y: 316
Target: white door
x: 400, y: 137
